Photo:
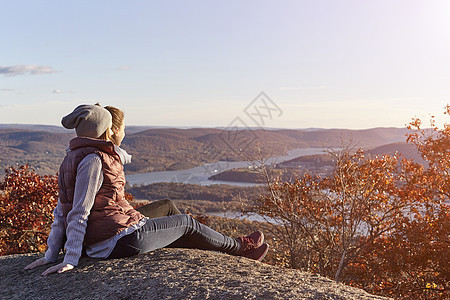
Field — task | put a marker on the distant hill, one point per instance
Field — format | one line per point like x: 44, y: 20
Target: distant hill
x: 33, y: 127
x: 43, y: 150
x: 53, y: 128
x: 409, y: 151
x: 321, y: 164
x: 170, y: 149
x: 159, y: 149
x: 366, y: 138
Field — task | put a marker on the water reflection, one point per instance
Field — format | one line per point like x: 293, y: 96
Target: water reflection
x: 199, y: 175
x: 246, y: 216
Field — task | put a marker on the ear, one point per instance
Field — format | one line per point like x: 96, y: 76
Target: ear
x: 112, y: 131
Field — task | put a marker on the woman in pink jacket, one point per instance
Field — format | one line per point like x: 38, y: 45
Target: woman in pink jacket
x: 93, y: 215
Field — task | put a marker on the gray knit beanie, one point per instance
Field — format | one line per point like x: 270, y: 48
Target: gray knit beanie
x: 88, y: 120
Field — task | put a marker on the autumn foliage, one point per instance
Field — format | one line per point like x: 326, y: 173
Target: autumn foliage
x: 27, y: 201
x: 379, y: 223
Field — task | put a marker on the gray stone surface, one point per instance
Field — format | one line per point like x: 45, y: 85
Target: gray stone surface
x: 168, y: 274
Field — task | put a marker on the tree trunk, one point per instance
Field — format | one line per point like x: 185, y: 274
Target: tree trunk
x: 337, y: 277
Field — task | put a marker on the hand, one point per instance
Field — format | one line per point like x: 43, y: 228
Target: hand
x: 62, y: 267
x: 38, y: 262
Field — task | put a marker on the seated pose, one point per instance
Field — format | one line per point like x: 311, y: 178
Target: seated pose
x: 93, y: 215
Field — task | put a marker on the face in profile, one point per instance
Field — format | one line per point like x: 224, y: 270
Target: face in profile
x: 119, y: 134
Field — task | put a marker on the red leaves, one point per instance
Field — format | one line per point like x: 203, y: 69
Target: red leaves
x: 129, y: 197
x: 27, y: 201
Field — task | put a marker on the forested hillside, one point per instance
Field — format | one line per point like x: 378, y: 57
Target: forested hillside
x: 161, y: 149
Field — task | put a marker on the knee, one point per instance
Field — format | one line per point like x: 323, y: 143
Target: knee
x: 166, y: 202
x: 173, y: 209
x: 188, y: 218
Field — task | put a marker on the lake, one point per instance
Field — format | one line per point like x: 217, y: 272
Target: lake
x: 199, y: 175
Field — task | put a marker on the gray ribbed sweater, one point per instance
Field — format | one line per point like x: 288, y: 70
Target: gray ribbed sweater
x: 88, y: 181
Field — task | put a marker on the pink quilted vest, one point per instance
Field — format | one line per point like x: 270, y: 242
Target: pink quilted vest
x: 111, y: 213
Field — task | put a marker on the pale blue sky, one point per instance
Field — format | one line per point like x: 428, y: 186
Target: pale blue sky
x: 340, y: 64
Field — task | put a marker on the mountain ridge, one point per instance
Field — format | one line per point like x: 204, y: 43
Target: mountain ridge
x: 160, y: 149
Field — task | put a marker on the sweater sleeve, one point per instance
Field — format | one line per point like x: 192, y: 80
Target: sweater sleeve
x: 88, y: 182
x: 56, y: 236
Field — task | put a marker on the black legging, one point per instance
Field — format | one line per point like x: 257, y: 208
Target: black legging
x: 159, y: 208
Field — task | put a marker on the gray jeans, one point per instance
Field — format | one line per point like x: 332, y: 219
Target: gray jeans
x: 176, y: 231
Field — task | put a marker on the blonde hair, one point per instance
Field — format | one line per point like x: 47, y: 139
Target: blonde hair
x: 117, y: 121
x: 118, y: 118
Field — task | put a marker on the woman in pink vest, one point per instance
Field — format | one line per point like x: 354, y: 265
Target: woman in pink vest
x: 93, y: 215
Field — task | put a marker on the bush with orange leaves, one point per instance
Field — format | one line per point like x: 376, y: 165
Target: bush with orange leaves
x: 327, y: 222
x: 413, y: 262
x: 27, y: 201
x: 380, y: 223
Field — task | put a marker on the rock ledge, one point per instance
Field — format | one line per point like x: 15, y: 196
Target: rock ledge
x: 168, y: 274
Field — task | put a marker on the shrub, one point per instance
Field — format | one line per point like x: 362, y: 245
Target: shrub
x: 381, y: 223
x: 27, y: 201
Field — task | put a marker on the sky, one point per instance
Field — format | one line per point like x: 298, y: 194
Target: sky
x: 279, y: 64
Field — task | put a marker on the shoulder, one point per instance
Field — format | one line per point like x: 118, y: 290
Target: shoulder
x: 91, y: 160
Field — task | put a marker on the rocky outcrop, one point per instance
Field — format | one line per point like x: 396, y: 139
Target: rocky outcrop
x: 168, y: 274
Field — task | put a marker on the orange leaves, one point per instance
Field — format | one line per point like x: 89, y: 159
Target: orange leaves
x: 129, y: 197
x: 337, y: 215
x: 381, y: 223
x: 27, y: 201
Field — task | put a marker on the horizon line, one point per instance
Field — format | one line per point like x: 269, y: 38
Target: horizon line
x: 212, y: 127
